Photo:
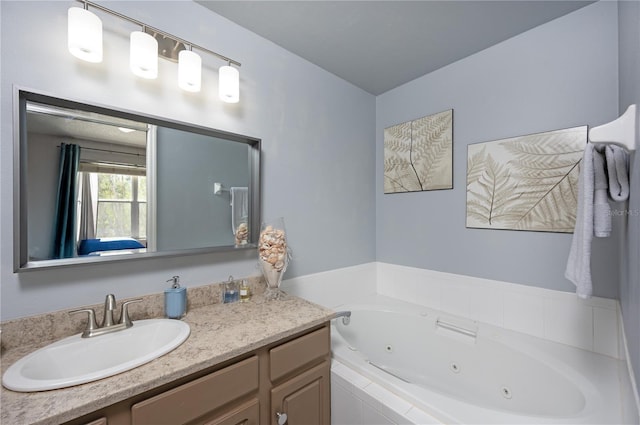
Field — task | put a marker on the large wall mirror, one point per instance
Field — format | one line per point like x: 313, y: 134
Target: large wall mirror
x: 97, y: 184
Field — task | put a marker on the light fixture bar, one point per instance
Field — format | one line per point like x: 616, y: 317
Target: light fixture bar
x: 157, y: 31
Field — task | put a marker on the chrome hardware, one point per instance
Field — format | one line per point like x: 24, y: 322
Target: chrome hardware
x: 282, y: 418
x: 109, y: 306
x: 92, y: 326
x: 108, y: 324
x: 455, y: 328
x: 124, y: 312
x: 346, y: 317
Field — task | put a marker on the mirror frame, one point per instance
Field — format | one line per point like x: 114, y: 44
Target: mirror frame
x: 20, y: 235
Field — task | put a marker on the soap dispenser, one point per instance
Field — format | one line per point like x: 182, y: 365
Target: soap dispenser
x: 175, y: 299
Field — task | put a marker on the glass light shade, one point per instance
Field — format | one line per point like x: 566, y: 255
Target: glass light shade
x: 189, y: 71
x: 143, y: 55
x: 84, y: 35
x: 229, y: 84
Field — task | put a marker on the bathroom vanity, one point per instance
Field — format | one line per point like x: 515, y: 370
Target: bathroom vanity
x: 251, y: 363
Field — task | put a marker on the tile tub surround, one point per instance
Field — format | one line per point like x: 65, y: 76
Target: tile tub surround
x: 60, y: 324
x: 557, y: 316
x: 356, y: 400
x: 219, y: 332
x: 592, y: 324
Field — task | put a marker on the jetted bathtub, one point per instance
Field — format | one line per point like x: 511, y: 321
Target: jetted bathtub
x: 461, y: 371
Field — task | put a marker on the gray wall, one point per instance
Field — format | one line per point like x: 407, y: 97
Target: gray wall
x: 316, y: 130
x: 189, y: 215
x: 629, y: 23
x: 558, y: 75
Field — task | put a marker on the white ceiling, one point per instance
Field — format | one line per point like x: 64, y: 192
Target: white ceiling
x: 86, y: 126
x: 379, y: 45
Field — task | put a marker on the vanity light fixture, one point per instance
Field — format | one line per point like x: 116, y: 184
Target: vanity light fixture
x: 229, y: 84
x: 85, y: 42
x: 143, y: 55
x: 84, y: 38
x: 189, y: 70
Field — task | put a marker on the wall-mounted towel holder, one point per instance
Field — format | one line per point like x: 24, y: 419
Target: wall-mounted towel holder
x: 621, y: 132
x: 218, y: 189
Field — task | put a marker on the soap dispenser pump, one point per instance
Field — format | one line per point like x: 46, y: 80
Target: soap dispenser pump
x: 175, y: 299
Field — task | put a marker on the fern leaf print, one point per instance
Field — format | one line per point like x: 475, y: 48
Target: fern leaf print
x: 418, y: 155
x: 527, y: 182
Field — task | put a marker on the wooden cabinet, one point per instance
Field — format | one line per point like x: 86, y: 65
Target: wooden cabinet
x: 301, y: 390
x: 289, y: 377
x: 245, y: 414
x: 195, y: 401
x: 305, y: 399
x: 99, y: 421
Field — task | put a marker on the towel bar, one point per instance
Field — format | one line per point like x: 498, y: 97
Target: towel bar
x: 218, y: 189
x: 621, y: 132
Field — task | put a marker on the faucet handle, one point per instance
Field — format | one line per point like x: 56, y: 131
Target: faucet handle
x: 92, y: 325
x: 124, y: 312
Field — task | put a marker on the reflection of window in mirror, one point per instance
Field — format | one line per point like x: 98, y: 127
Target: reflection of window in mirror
x: 120, y: 206
x: 110, y: 190
x: 112, y: 198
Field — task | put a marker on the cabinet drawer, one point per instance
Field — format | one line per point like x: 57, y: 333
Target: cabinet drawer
x: 298, y: 353
x: 246, y: 414
x: 194, y: 399
x: 101, y: 421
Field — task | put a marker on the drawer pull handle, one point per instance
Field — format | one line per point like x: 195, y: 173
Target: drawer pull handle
x: 282, y: 418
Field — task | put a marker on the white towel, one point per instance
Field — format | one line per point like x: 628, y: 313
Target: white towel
x: 617, y: 160
x: 239, y: 206
x: 578, y: 268
x: 601, y: 208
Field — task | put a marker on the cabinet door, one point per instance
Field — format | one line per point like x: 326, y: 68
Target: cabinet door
x: 245, y: 414
x: 305, y: 399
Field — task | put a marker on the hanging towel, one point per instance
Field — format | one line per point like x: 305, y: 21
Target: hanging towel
x: 617, y: 160
x: 239, y: 206
x: 578, y: 268
x: 601, y: 208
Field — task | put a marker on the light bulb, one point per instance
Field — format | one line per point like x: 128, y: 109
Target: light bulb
x: 143, y: 55
x: 189, y: 71
x: 229, y: 84
x: 84, y: 35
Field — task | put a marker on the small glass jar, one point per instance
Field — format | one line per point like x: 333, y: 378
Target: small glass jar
x: 245, y: 291
x: 230, y: 292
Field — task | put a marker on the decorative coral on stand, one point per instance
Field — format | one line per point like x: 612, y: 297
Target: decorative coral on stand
x: 273, y: 256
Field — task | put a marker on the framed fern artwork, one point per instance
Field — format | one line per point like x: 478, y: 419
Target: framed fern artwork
x: 526, y: 182
x: 418, y: 154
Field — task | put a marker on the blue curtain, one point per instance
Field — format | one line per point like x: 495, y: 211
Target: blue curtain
x: 65, y: 215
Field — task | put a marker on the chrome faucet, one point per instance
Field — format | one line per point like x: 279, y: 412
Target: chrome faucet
x: 108, y: 324
x: 109, y: 306
x: 346, y: 316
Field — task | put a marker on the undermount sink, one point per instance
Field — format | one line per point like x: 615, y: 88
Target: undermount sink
x: 75, y: 360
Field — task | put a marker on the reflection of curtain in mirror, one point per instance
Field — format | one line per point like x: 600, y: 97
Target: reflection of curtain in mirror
x: 88, y: 206
x: 65, y: 213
